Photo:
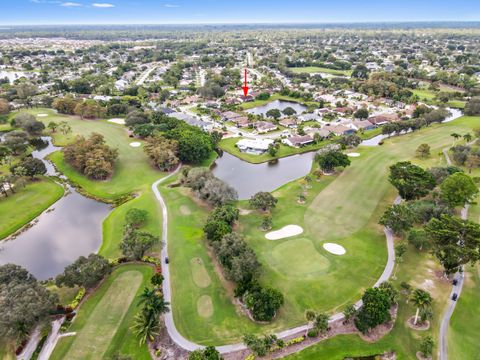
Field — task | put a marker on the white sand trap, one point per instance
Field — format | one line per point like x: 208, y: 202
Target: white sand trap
x: 353, y: 154
x: 334, y: 249
x: 42, y: 115
x: 135, y: 144
x: 117, y: 121
x: 286, y: 231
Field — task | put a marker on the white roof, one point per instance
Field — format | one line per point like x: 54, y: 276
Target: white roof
x: 260, y: 144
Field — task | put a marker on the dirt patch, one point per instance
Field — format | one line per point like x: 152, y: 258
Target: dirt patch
x: 419, y: 326
x: 427, y: 284
x: 205, y: 306
x: 168, y: 350
x: 185, y: 210
x: 245, y: 211
x: 199, y: 273
x: 421, y: 357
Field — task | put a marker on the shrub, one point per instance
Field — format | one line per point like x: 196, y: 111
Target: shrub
x: 294, y: 341
x: 77, y: 299
x: 312, y: 333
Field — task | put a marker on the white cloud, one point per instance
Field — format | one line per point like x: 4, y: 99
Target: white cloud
x: 103, y: 5
x: 172, y: 5
x: 70, y: 4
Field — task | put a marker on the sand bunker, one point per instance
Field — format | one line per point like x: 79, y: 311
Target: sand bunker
x: 135, y: 144
x: 286, y: 231
x: 117, y: 121
x: 353, y: 154
x: 334, y: 249
x: 42, y: 115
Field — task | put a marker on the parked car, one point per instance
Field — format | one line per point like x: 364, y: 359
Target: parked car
x: 455, y: 282
x: 454, y: 296
x: 166, y: 260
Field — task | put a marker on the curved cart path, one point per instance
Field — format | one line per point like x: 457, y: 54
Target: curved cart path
x: 191, y: 346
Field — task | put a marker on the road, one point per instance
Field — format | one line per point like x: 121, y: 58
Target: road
x: 52, y: 339
x: 459, y: 276
x: 169, y: 322
x: 31, y: 346
x: 144, y: 76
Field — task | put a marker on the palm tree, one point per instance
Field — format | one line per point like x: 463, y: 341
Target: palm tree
x: 146, y: 327
x: 421, y: 299
x: 468, y: 137
x: 153, y: 302
x: 455, y: 137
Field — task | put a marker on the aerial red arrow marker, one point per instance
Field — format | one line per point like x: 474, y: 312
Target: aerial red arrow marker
x: 245, y: 87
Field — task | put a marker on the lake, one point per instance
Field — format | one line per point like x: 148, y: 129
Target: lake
x: 249, y: 179
x: 70, y: 228
x: 277, y: 104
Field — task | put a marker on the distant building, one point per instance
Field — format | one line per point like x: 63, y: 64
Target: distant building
x: 264, y: 126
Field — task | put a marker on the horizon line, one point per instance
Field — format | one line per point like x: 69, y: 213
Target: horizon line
x: 246, y: 23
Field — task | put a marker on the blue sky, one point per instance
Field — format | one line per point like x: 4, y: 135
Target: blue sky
x: 228, y: 11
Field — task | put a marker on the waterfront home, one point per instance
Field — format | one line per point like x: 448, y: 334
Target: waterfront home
x: 255, y: 147
x: 298, y: 141
x: 264, y: 126
x: 340, y: 129
x: 289, y: 123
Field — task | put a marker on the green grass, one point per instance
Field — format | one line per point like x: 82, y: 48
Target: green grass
x: 104, y: 319
x: 464, y: 329
x: 26, y: 204
x: 133, y: 176
x: 344, y: 209
x: 457, y: 104
x: 424, y: 94
x: 255, y: 103
x: 317, y: 69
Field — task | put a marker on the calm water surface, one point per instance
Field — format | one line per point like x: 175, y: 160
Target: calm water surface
x: 249, y: 179
x: 59, y: 236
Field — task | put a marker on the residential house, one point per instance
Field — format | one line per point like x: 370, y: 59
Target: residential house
x: 264, y: 126
x: 241, y: 122
x: 340, y: 130
x: 289, y: 123
x: 255, y: 147
x: 298, y: 141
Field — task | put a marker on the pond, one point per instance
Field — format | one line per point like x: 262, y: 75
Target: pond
x: 70, y: 228
x: 277, y: 104
x: 249, y: 179
x: 376, y: 140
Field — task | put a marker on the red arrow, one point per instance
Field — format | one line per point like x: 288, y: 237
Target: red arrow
x: 245, y: 87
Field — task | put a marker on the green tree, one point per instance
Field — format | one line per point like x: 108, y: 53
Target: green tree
x: 163, y: 152
x: 157, y: 279
x: 24, y: 302
x: 53, y: 126
x: 136, y: 217
x: 361, y: 114
x: 332, y: 159
x: 418, y: 238
x: 86, y: 272
x: 263, y: 200
x: 136, y: 243
x: 455, y: 242
x: 375, y: 309
x: 423, y: 151
x: 273, y: 113
x: 426, y: 346
x: 458, y: 189
x: 263, y: 302
x: 411, y: 181
x: 421, y: 299
x: 350, y: 312
x: 209, y: 353
x: 399, y: 218
x: 31, y: 167
x: 289, y: 111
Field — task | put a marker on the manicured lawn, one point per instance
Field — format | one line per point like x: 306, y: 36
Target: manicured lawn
x: 464, y: 328
x: 457, y: 104
x: 103, y: 321
x: 252, y: 104
x: 194, y: 278
x: 316, y: 69
x: 26, y: 204
x: 114, y: 224
x: 133, y: 176
x: 343, y: 209
x: 424, y: 94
